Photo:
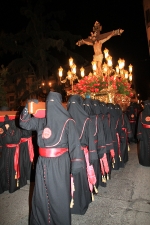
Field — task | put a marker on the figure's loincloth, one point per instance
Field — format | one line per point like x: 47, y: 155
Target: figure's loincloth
x: 98, y: 58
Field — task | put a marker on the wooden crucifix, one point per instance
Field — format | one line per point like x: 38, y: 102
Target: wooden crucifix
x: 96, y: 40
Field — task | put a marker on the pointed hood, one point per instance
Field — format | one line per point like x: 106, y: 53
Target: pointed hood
x: 88, y: 106
x: 75, y: 108
x: 111, y: 109
x: 56, y: 117
x: 103, y: 108
x: 145, y: 114
x: 118, y: 110
x: 147, y: 107
x: 96, y: 107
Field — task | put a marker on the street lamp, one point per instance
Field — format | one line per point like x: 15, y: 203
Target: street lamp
x: 71, y: 74
x: 49, y: 84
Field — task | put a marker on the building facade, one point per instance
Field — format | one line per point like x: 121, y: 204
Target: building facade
x: 146, y: 6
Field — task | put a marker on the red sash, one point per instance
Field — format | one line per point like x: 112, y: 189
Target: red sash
x: 118, y: 140
x: 145, y: 125
x: 52, y: 152
x: 30, y: 147
x: 104, y: 168
x: 16, y: 159
x: 72, y: 192
x: 104, y: 165
x: 90, y: 170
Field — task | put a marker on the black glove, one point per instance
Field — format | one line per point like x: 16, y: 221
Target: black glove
x: 33, y: 100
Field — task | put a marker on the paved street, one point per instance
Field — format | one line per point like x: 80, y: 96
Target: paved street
x: 125, y: 200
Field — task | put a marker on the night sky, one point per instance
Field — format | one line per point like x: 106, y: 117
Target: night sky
x: 81, y: 15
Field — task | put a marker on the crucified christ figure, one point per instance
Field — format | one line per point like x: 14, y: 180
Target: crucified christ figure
x: 96, y: 40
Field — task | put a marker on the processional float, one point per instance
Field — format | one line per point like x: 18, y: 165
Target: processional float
x: 103, y: 83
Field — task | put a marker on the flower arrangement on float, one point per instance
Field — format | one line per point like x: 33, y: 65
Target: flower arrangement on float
x: 93, y: 85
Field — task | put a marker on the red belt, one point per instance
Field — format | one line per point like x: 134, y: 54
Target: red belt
x: 132, y: 121
x: 145, y: 125
x: 16, y: 159
x: 118, y: 140
x: 104, y: 165
x: 52, y: 152
x: 30, y: 147
x: 90, y: 169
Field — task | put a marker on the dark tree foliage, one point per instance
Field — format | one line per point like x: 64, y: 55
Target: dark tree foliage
x: 39, y: 47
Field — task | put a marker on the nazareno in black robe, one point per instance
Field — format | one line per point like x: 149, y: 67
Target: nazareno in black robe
x: 119, y: 118
x: 143, y: 135
x: 52, y: 192
x: 115, y: 127
x: 126, y: 135
x: 132, y: 113
x: 26, y: 156
x: 94, y: 131
x: 11, y: 137
x: 2, y: 161
x: 98, y: 134
x: 25, y: 161
x: 101, y: 110
x: 82, y: 119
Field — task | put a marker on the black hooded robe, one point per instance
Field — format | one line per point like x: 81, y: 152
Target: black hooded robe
x: 2, y: 161
x: 126, y: 135
x: 10, y: 140
x: 25, y: 158
x: 132, y: 113
x: 102, y: 111
x: 26, y: 152
x: 115, y: 127
x: 143, y: 135
x: 82, y: 119
x: 55, y: 134
x: 99, y: 138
